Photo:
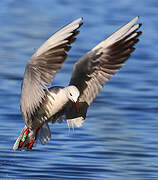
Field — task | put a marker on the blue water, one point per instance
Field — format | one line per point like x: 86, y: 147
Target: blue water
x: 119, y: 139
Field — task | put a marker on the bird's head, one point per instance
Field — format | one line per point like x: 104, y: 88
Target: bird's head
x: 72, y: 93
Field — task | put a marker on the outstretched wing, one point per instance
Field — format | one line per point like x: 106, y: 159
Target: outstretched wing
x: 95, y: 68
x: 44, y: 65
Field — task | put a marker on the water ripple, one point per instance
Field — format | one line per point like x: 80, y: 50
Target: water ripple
x: 119, y: 137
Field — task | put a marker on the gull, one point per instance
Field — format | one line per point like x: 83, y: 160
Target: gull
x: 41, y: 104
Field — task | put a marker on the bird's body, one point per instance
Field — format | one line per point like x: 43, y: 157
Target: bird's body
x: 51, y: 105
x: 51, y: 110
x: 41, y: 105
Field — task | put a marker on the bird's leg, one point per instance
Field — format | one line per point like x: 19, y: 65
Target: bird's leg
x: 23, y: 139
x: 37, y: 130
x: 31, y: 143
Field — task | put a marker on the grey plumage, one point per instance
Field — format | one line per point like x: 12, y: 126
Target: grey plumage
x: 43, y: 66
x: 41, y: 105
x: 95, y: 68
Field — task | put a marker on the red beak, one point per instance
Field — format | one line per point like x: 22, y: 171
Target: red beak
x: 76, y: 105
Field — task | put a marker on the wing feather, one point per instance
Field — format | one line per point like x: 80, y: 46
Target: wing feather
x: 43, y: 66
x: 94, y: 69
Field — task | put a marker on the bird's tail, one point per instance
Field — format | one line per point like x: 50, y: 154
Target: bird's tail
x: 44, y: 134
x: 28, y: 137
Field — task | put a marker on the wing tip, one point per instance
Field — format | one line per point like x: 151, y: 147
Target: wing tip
x: 140, y: 24
x: 133, y: 21
x: 79, y: 20
x: 136, y: 18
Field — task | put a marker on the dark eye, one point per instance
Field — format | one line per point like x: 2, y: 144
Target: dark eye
x: 70, y: 94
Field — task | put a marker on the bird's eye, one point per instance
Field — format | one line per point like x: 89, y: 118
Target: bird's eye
x: 70, y: 94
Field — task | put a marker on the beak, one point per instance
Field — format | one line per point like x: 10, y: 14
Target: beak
x: 76, y: 105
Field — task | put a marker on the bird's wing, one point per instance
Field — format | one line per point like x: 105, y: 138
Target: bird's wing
x: 43, y: 66
x: 103, y: 61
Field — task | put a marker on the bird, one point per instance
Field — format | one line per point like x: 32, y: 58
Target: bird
x: 42, y: 104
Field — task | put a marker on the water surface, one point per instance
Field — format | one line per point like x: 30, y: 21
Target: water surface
x: 119, y: 139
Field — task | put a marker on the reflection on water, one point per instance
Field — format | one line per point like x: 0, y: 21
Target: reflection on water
x: 120, y: 136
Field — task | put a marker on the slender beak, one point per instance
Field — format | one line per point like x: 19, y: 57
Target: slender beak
x: 76, y: 105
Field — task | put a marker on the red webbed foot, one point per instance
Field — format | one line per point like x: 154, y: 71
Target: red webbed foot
x: 31, y: 143
x: 23, y: 139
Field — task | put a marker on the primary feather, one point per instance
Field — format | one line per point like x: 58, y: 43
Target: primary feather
x: 95, y: 68
x: 43, y: 66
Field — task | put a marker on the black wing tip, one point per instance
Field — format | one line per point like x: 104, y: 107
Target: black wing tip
x: 139, y: 33
x: 137, y: 17
x: 81, y: 21
x: 80, y: 24
x: 140, y: 24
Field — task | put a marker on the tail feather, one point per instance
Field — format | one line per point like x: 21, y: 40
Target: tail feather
x: 44, y: 134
